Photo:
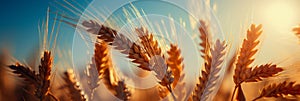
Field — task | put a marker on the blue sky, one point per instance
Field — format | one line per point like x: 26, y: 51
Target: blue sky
x: 19, y: 23
x: 20, y: 18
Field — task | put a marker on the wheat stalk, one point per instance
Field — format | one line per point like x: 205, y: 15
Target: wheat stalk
x: 74, y: 91
x: 278, y: 90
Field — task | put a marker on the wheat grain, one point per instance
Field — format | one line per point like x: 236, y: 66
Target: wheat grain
x: 278, y: 90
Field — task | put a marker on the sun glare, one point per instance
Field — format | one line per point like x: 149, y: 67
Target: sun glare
x: 280, y: 14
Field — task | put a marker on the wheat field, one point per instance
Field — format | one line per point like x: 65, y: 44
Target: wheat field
x: 20, y: 81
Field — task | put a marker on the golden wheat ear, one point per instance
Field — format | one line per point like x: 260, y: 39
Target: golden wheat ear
x: 262, y: 71
x: 149, y: 43
x: 205, y: 45
x: 243, y: 71
x: 210, y: 76
x: 119, y: 42
x: 44, y: 75
x: 279, y: 90
x: 100, y: 62
x: 75, y: 92
x: 41, y: 80
x: 246, y: 53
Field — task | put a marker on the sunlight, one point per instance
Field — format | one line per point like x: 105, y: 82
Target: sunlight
x: 280, y: 15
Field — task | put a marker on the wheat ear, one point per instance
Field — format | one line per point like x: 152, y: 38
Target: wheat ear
x: 74, y: 91
x: 278, y: 90
x: 122, y: 92
x: 149, y: 43
x: 203, y: 29
x: 243, y: 70
x: 107, y: 73
x: 204, y: 37
x: 93, y: 78
x: 262, y: 71
x: 246, y: 53
x: 40, y: 81
x: 217, y: 55
x: 202, y: 92
x: 44, y: 75
x: 175, y: 62
x: 119, y: 42
x: 24, y: 72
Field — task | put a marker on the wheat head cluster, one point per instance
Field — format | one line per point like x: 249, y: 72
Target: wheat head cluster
x: 31, y: 85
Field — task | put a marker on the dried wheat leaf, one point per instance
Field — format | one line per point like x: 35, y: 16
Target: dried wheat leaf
x: 74, y: 91
x: 278, y: 90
